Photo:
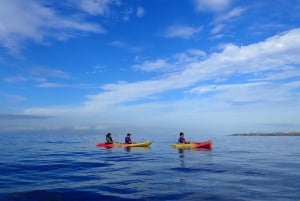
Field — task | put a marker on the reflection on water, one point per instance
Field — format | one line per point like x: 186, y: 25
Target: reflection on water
x: 128, y: 149
x: 181, y: 157
x: 202, y: 156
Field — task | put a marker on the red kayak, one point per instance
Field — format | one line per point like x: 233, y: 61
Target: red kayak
x: 105, y: 145
x: 194, y: 145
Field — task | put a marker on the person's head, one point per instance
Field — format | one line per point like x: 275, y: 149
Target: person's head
x: 128, y: 134
x: 108, y: 134
x: 181, y: 134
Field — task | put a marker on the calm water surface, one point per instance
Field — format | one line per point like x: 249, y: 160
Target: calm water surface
x: 40, y: 167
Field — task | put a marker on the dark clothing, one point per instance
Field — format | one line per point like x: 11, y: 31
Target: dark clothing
x: 109, y: 140
x: 128, y: 140
x: 181, y: 139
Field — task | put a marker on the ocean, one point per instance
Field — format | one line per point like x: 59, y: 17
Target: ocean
x: 69, y: 167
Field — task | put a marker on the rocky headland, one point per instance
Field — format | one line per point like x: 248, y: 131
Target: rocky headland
x: 268, y: 134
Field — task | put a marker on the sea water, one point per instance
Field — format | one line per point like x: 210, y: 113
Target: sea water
x: 62, y: 167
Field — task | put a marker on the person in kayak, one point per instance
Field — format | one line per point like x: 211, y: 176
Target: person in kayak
x: 109, y: 139
x: 181, y: 139
x: 128, y: 139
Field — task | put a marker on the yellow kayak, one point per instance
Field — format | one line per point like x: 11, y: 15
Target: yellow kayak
x: 138, y: 144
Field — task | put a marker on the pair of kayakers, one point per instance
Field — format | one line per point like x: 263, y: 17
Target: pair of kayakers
x: 109, y: 139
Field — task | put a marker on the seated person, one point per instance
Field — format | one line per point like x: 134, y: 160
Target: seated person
x: 128, y: 139
x: 181, y: 138
x: 109, y: 139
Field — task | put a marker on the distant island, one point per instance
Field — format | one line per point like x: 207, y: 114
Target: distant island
x: 268, y: 134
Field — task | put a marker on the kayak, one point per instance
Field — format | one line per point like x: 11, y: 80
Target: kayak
x: 138, y: 144
x: 103, y: 144
x: 194, y: 145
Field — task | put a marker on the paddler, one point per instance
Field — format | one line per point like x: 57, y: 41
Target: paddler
x: 181, y: 139
x: 128, y: 139
x: 109, y: 139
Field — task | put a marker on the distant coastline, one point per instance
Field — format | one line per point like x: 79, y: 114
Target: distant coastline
x: 268, y: 134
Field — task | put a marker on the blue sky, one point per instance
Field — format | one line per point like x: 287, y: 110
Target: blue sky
x: 159, y: 66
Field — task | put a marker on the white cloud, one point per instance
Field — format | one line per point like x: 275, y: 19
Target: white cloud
x: 118, y: 43
x: 95, y: 7
x: 278, y: 75
x: 217, y: 28
x: 140, y: 11
x: 159, y: 65
x: 187, y: 57
x: 276, y: 53
x: 212, y: 5
x: 89, y: 127
x: 217, y: 100
x: 181, y: 31
x: 96, y: 69
x: 172, y: 64
x: 223, y: 12
x: 121, y: 44
x: 50, y: 85
x: 48, y: 72
x: 64, y: 85
x: 294, y: 85
x: 226, y: 17
x: 31, y: 21
x: 247, y: 92
x: 273, y: 54
x: 222, y: 21
x: 126, y: 13
x: 15, y: 79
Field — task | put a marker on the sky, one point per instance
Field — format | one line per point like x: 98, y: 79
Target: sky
x: 150, y: 66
